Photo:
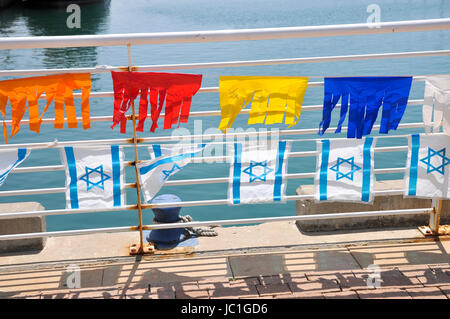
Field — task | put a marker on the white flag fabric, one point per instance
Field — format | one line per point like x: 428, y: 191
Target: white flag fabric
x: 155, y: 172
x: 258, y: 173
x: 157, y: 150
x: 94, y: 176
x: 427, y: 174
x: 10, y: 159
x: 436, y: 103
x: 345, y: 170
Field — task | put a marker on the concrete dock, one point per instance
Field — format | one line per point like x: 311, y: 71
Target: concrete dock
x: 273, y: 260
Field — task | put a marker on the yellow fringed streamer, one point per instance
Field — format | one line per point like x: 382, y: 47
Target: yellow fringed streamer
x: 270, y: 97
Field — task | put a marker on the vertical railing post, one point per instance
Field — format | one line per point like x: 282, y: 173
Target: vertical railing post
x: 142, y: 249
x: 434, y: 223
x: 138, y: 186
x: 435, y: 216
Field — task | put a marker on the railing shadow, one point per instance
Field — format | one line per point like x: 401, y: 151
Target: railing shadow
x: 415, y: 271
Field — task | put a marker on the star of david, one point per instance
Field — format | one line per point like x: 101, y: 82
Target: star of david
x: 250, y: 171
x: 88, y: 178
x: 337, y: 168
x: 430, y: 167
x: 167, y: 173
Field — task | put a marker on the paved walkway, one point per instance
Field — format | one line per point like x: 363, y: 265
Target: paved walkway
x: 405, y: 270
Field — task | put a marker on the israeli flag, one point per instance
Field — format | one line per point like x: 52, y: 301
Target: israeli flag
x: 258, y: 173
x: 9, y: 160
x: 157, y: 150
x: 427, y: 171
x: 155, y: 172
x: 345, y: 170
x: 94, y: 176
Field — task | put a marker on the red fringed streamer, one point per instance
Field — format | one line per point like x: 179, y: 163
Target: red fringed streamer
x: 174, y: 88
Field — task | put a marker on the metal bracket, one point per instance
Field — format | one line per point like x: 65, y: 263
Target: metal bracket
x: 427, y: 231
x: 135, y: 249
x: 434, y: 228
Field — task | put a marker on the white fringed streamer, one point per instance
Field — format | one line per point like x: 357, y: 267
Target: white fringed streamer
x: 436, y: 104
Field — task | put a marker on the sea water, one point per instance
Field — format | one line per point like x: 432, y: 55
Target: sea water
x: 121, y: 16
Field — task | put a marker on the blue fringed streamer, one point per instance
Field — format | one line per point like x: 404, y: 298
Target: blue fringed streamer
x: 366, y: 95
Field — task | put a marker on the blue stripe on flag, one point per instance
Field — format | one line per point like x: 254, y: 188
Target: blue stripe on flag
x: 237, y: 173
x: 176, y: 158
x: 70, y: 158
x: 324, y: 169
x: 21, y: 154
x: 157, y: 150
x: 415, y: 141
x: 116, y: 174
x: 279, y: 171
x: 367, y: 167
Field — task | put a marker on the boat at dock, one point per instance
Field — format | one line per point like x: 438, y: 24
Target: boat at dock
x: 47, y: 3
x: 5, y: 3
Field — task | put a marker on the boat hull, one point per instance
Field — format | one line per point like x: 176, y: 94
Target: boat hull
x: 5, y: 3
x: 59, y: 3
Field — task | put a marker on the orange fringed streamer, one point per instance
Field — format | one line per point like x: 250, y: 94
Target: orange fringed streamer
x: 56, y: 87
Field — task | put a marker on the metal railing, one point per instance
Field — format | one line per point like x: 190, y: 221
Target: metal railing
x: 210, y: 36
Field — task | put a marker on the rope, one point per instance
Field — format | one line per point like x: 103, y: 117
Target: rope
x: 199, y: 231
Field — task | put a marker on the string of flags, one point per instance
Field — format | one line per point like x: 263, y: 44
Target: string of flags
x: 95, y: 176
x: 273, y: 99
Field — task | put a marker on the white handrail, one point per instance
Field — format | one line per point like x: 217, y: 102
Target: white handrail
x: 209, y: 65
x: 178, y: 138
x: 212, y: 89
x: 192, y: 114
x: 191, y: 181
x: 399, y: 212
x: 194, y: 181
x: 198, y: 159
x: 39, y: 191
x: 126, y: 39
x: 197, y: 203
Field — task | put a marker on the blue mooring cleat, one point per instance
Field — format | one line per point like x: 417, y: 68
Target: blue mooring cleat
x: 167, y: 215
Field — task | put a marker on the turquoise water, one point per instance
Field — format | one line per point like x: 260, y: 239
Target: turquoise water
x: 119, y: 16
